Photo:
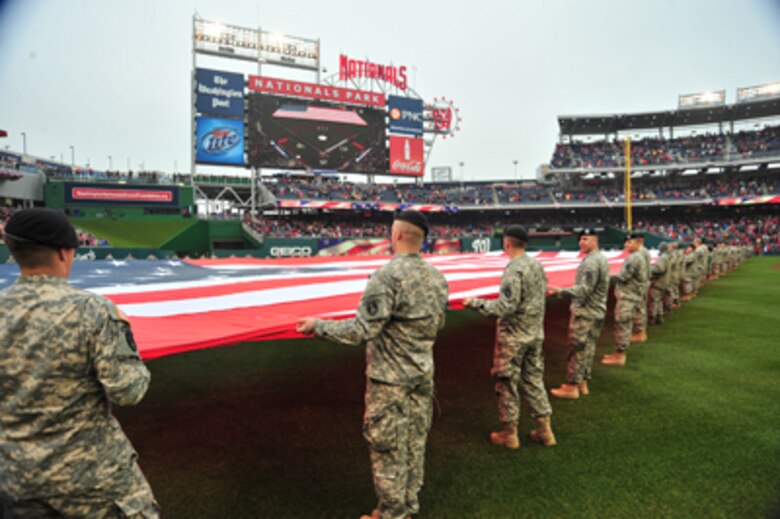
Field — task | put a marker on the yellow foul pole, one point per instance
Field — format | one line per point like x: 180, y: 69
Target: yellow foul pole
x: 627, y: 181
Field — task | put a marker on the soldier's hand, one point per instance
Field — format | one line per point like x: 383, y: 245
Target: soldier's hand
x: 305, y: 325
x: 467, y: 302
x: 553, y: 290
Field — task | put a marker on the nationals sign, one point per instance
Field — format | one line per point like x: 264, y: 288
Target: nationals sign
x: 284, y: 87
x: 357, y: 68
x: 406, y: 156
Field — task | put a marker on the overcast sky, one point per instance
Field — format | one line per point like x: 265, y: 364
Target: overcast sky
x: 112, y: 77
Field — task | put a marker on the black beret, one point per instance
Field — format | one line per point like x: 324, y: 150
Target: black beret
x: 587, y: 231
x: 516, y: 231
x: 47, y: 227
x: 634, y: 235
x: 415, y: 218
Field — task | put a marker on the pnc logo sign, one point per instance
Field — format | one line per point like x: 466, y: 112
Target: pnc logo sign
x: 406, y: 115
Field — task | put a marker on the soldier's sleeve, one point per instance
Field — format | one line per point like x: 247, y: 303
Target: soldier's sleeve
x: 115, y: 357
x: 625, y: 271
x: 584, y: 285
x: 445, y: 301
x: 508, y: 297
x: 374, y: 311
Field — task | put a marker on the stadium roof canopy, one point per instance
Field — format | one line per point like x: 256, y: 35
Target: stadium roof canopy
x: 606, y: 124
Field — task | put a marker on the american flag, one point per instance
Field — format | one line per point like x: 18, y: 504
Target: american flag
x: 176, y: 306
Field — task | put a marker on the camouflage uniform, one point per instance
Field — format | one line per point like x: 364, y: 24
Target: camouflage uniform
x: 701, y: 255
x: 65, y: 355
x: 518, y: 358
x: 660, y: 273
x: 640, y: 315
x: 689, y: 274
x: 588, y: 308
x: 400, y: 313
x: 629, y: 292
x: 677, y: 267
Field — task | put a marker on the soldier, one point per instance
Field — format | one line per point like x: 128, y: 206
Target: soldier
x: 640, y: 316
x: 518, y: 358
x: 400, y: 313
x: 65, y: 356
x: 588, y: 308
x: 688, y: 283
x: 673, y: 291
x: 701, y: 255
x: 629, y: 290
x: 660, y: 274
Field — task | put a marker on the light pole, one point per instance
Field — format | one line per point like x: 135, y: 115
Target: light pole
x: 24, y: 143
x: 515, y: 163
x: 73, y: 156
x: 110, y: 163
x: 461, y: 164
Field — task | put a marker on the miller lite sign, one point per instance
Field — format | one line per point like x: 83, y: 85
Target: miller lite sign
x: 407, y: 156
x: 405, y: 115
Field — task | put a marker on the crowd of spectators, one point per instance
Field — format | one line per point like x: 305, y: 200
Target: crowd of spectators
x: 760, y: 232
x: 657, y: 150
x: 317, y: 227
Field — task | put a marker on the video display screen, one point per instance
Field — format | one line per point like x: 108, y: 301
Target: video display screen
x: 292, y: 133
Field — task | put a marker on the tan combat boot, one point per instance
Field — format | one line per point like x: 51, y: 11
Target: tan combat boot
x: 583, y: 387
x: 543, y: 433
x: 639, y: 337
x: 508, y: 437
x: 567, y: 391
x: 615, y: 359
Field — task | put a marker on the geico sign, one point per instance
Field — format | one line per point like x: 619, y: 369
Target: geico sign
x: 285, y: 252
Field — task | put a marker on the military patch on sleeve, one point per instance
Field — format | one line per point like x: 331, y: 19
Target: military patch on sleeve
x: 589, y: 277
x: 372, y: 307
x: 506, y: 290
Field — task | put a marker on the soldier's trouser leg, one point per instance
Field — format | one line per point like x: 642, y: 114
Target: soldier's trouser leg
x: 656, y: 296
x: 507, y: 397
x: 583, y: 336
x: 624, y: 315
x: 640, y: 315
x: 676, y: 293
x: 668, y: 300
x: 396, y: 422
x: 531, y: 358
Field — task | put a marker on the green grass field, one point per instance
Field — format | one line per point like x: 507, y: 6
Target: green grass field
x: 689, y: 428
x: 132, y: 233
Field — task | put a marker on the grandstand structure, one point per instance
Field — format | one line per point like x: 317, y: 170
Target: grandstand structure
x: 708, y: 171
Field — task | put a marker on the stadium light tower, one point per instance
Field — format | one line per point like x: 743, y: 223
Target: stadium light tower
x: 515, y: 163
x: 24, y: 143
x: 110, y: 163
x: 461, y: 164
x: 73, y: 156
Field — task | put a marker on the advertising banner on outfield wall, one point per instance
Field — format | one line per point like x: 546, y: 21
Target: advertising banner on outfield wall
x: 219, y: 93
x: 407, y: 156
x: 219, y: 141
x: 405, y: 115
x: 77, y: 193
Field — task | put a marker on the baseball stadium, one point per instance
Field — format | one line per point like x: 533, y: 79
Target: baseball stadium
x: 297, y: 183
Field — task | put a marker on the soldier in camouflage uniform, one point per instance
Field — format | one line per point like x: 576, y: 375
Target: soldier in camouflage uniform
x: 701, y: 254
x: 640, y: 316
x: 688, y: 283
x: 660, y: 274
x: 677, y: 272
x: 65, y: 356
x: 400, y: 313
x: 629, y: 290
x: 588, y: 308
x: 518, y: 358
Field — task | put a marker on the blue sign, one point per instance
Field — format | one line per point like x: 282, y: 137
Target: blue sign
x: 219, y: 93
x: 219, y: 141
x: 406, y: 115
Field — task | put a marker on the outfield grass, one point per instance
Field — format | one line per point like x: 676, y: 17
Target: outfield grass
x: 689, y: 428
x: 133, y: 233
